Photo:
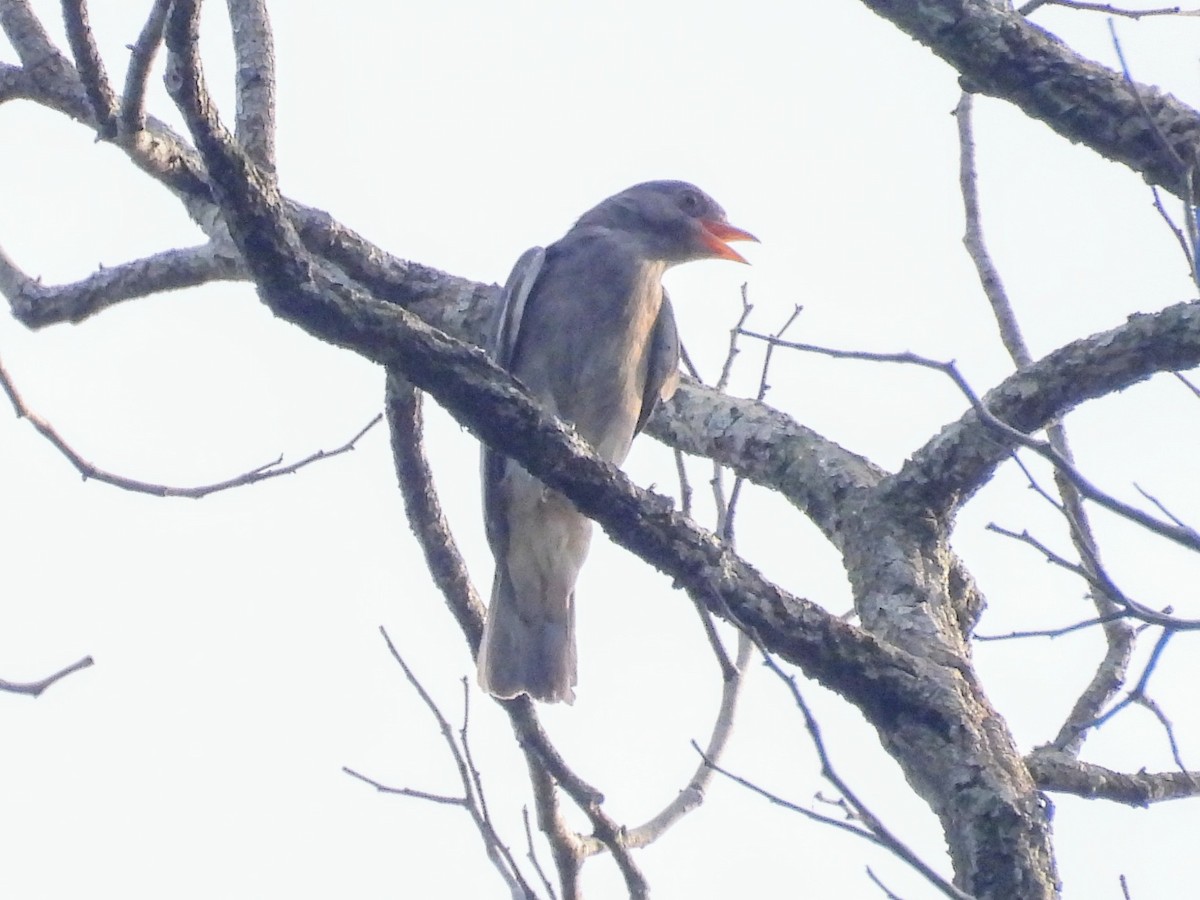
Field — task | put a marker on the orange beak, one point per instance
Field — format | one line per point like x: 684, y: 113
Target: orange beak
x: 715, y: 234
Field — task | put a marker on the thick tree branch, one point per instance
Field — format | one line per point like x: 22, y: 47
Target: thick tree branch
x: 424, y: 511
x: 492, y: 405
x: 963, y: 456
x: 90, y: 67
x: 36, y: 305
x: 1058, y: 770
x: 38, y: 55
x: 546, y: 766
x: 1000, y: 53
x: 254, y: 50
x: 141, y: 57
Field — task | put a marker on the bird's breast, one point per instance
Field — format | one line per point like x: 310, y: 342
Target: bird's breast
x: 591, y: 361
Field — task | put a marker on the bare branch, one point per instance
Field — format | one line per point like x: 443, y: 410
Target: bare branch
x: 91, y: 472
x: 546, y: 765
x: 1099, y: 581
x: 35, y: 688
x: 734, y: 333
x: 531, y: 855
x: 1161, y: 507
x: 880, y: 834
x: 424, y: 511
x: 1186, y: 171
x: 1002, y: 54
x: 989, y: 275
x: 1186, y: 247
x: 141, y: 58
x: 1106, y: 8
x: 444, y: 799
x: 1186, y: 537
x: 255, y: 53
x: 497, y: 852
x: 1137, y: 695
x: 1056, y: 770
x: 1050, y: 632
x: 36, y: 305
x: 1191, y: 387
x: 34, y: 48
x: 472, y: 799
x: 90, y: 67
x: 488, y: 401
x: 887, y: 892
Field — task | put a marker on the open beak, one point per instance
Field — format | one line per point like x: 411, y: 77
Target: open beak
x: 715, y: 236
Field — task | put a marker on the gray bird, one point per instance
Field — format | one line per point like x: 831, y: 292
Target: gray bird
x: 586, y: 326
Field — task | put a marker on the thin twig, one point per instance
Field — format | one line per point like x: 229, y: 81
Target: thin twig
x: 888, y: 893
x: 35, y: 688
x: 1100, y: 582
x: 1186, y: 172
x: 734, y: 332
x: 531, y: 855
x: 444, y: 799
x: 1185, y: 537
x: 1051, y: 632
x: 253, y: 47
x: 1106, y: 8
x: 445, y: 563
x: 472, y: 800
x: 1191, y: 387
x: 1119, y: 638
x: 862, y: 813
x: 91, y: 472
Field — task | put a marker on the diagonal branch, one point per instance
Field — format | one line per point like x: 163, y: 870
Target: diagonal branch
x: 546, y: 766
x: 41, y: 59
x: 1118, y: 635
x: 90, y: 67
x: 472, y: 799
x: 1000, y: 53
x: 91, y: 472
x: 35, y: 688
x: 36, y: 305
x: 141, y: 58
x: 883, y: 680
x: 948, y: 469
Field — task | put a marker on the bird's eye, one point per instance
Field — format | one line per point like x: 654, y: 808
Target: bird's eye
x: 690, y: 201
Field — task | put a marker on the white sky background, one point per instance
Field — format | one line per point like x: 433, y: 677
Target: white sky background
x: 238, y: 663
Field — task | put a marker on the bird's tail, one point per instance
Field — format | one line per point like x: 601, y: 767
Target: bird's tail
x: 528, y: 648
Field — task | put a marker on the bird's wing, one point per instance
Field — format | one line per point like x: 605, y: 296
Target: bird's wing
x: 503, y: 348
x: 512, y: 304
x: 662, y: 370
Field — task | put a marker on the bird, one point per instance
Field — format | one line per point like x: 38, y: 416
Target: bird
x: 586, y: 326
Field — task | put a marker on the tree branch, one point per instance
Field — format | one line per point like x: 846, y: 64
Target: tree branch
x: 36, y: 688
x: 472, y: 799
x: 1058, y: 770
x: 141, y: 58
x: 36, y: 305
x: 90, y: 67
x: 90, y: 472
x: 493, y: 406
x: 1000, y: 53
x: 255, y: 82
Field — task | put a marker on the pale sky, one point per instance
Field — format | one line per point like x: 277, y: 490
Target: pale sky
x: 238, y: 660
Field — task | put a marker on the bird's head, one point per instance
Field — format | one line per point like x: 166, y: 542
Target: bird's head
x: 671, y: 221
